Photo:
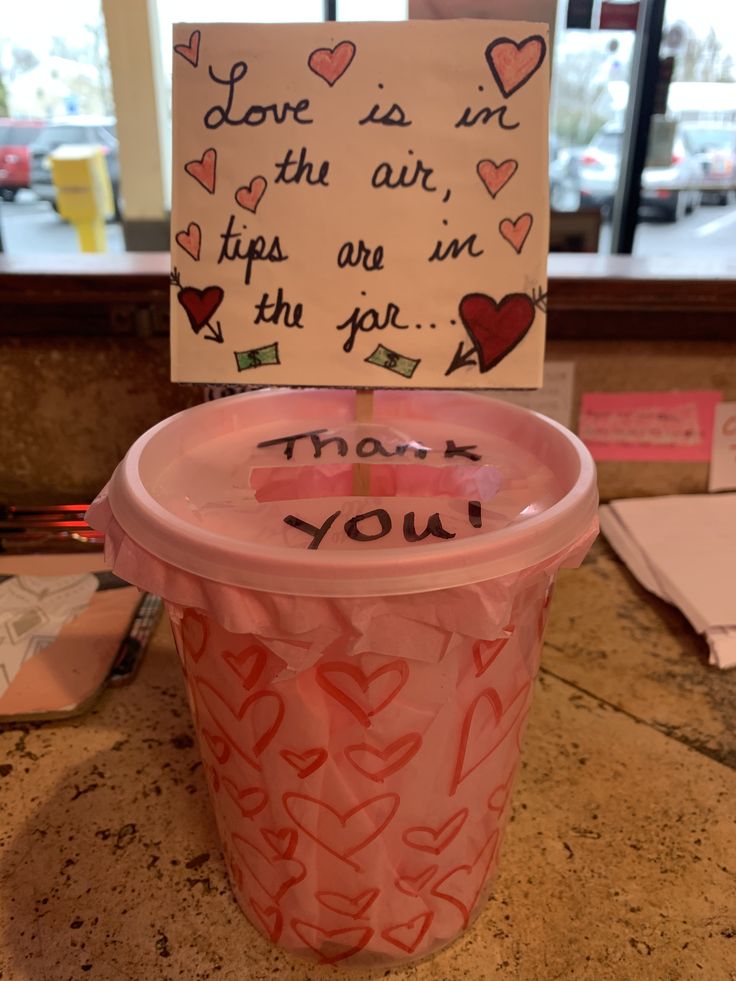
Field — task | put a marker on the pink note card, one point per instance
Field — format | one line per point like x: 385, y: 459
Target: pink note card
x: 648, y: 425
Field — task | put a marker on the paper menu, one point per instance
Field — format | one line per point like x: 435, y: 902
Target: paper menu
x: 360, y: 204
x: 59, y: 634
x: 683, y: 548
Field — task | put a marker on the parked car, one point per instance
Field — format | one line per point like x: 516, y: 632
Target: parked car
x: 15, y: 161
x: 671, y: 191
x: 564, y: 178
x: 714, y: 146
x: 85, y: 130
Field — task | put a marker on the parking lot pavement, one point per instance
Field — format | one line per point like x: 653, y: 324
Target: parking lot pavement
x: 711, y: 230
x: 28, y: 225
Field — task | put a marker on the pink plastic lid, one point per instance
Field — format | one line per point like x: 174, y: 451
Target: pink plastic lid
x: 257, y: 490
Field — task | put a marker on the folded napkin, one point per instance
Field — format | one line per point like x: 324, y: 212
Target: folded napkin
x: 683, y: 549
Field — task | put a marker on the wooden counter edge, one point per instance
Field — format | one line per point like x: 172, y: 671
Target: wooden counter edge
x: 661, y: 298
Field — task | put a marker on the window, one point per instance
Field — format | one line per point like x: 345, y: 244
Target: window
x: 55, y: 78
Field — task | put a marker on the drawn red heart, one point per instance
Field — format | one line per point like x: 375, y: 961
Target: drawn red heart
x: 463, y: 885
x: 282, y: 842
x: 358, y: 684
x: 259, y: 715
x: 270, y: 919
x: 249, y: 801
x: 194, y: 632
x: 332, y: 63
x: 516, y: 232
x: 306, y: 762
x: 544, y: 613
x: 332, y: 946
x: 394, y: 757
x: 275, y: 876
x: 496, y: 176
x: 412, y: 885
x: 485, y: 652
x: 435, y: 840
x: 213, y: 775
x: 513, y: 63
x: 204, y: 170
x: 407, y: 936
x: 485, y: 726
x: 520, y: 729
x: 496, y: 328
x: 190, y: 240
x: 247, y: 664
x: 354, y: 828
x: 236, y: 873
x: 249, y: 195
x: 499, y: 797
x: 352, y: 906
x: 190, y: 51
x: 200, y: 305
x: 219, y: 747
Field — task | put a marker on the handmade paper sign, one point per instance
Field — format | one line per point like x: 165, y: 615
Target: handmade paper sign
x: 360, y: 205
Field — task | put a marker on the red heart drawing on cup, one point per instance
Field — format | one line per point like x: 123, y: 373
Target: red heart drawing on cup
x: 275, y: 876
x: 270, y: 918
x: 486, y: 724
x: 332, y: 946
x: 353, y: 906
x: 249, y: 800
x: 485, y: 652
x: 305, y: 763
x: 407, y: 936
x: 247, y: 664
x: 462, y: 886
x: 412, y: 885
x: 282, y: 842
x: 377, y: 764
x: 219, y: 747
x: 364, y: 695
x: 248, y: 725
x: 194, y: 632
x: 342, y: 834
x: 435, y: 840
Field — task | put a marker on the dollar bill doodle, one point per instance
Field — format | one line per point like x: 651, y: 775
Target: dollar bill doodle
x: 383, y: 357
x: 257, y: 357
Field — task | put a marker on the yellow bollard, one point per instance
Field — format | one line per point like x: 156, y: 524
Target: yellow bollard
x: 83, y: 193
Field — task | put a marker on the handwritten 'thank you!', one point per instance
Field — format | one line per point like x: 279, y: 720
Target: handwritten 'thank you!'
x: 360, y: 205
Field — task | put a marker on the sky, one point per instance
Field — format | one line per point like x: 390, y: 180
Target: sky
x: 32, y: 23
x: 701, y: 15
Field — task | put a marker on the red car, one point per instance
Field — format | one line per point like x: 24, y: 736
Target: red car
x: 15, y: 161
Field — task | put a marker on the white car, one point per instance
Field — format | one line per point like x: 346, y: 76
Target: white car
x: 714, y: 146
x: 671, y: 191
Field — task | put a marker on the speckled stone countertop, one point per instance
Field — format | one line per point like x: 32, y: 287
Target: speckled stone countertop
x: 618, y: 863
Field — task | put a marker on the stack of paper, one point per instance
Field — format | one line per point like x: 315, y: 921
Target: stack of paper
x: 683, y: 548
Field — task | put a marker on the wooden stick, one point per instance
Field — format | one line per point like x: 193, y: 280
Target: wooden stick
x: 364, y: 414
